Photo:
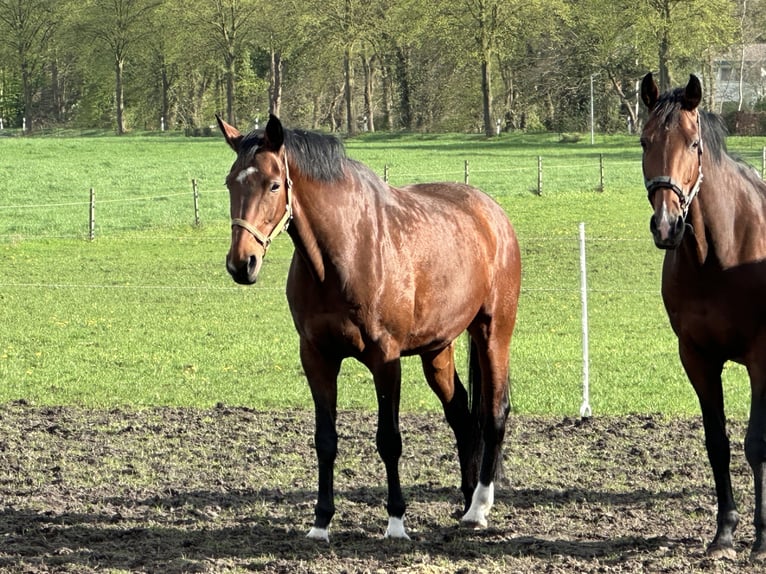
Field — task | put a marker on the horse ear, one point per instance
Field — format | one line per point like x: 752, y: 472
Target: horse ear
x: 275, y: 134
x: 692, y: 93
x: 650, y: 93
x: 232, y: 135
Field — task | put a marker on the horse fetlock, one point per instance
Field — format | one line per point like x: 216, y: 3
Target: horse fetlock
x: 481, y: 504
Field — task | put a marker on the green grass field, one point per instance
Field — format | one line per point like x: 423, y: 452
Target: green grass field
x: 146, y: 315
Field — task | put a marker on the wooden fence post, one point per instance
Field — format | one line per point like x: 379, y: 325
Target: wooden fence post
x: 196, y: 202
x: 763, y: 164
x: 465, y: 173
x: 601, y: 172
x: 539, y: 175
x: 385, y: 173
x: 92, y: 218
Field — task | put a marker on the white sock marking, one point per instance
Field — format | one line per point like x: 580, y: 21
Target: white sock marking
x: 396, y: 528
x: 481, y: 503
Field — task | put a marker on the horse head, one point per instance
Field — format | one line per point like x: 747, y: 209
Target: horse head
x: 672, y: 157
x: 260, y: 195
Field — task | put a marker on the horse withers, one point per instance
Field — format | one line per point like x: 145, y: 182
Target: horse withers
x: 710, y: 216
x: 381, y: 272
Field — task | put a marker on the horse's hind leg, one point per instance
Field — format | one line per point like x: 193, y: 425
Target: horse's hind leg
x: 387, y: 376
x: 439, y: 369
x: 755, y: 451
x: 493, y: 355
x: 704, y: 373
x: 322, y: 375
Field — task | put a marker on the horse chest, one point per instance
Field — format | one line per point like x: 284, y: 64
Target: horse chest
x: 722, y: 316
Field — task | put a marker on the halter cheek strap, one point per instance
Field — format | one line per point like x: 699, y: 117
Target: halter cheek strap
x: 282, y: 224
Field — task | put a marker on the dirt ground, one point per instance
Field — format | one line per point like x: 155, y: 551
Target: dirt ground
x: 232, y: 490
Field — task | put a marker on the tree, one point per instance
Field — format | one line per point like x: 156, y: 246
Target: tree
x: 231, y: 21
x: 119, y: 25
x: 28, y: 24
x: 685, y: 31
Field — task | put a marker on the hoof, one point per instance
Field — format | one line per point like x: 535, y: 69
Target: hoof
x: 472, y: 524
x: 718, y: 552
x: 318, y: 534
x: 396, y: 529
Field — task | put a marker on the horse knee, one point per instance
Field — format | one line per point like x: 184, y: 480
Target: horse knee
x: 389, y: 445
x: 755, y: 448
x: 326, y: 446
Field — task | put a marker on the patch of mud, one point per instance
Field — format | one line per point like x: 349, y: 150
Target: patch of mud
x: 232, y: 490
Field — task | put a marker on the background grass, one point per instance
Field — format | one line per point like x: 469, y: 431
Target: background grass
x: 146, y: 314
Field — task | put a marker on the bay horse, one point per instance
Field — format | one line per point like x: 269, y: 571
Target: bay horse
x: 710, y: 216
x: 377, y: 273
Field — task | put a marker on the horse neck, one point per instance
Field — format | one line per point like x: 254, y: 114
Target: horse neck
x: 324, y: 220
x: 732, y: 211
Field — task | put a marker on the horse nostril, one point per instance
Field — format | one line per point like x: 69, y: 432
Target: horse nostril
x: 252, y: 264
x: 653, y: 224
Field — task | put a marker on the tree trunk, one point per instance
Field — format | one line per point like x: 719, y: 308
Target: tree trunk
x: 56, y: 100
x: 486, y: 98
x: 403, y: 81
x: 275, y: 83
x: 349, y: 89
x: 165, y: 78
x: 369, y: 108
x: 664, y: 49
x: 486, y: 78
x: 627, y: 104
x: 119, y: 95
x: 388, y: 118
x: 26, y: 88
x: 742, y: 57
x: 230, y: 77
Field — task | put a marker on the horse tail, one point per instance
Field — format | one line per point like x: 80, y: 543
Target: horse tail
x: 474, y: 380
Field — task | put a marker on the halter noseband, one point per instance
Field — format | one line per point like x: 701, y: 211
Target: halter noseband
x: 282, y: 224
x: 652, y: 185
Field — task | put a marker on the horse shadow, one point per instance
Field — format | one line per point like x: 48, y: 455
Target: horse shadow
x: 184, y: 541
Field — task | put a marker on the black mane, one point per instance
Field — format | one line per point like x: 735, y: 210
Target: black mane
x: 317, y: 156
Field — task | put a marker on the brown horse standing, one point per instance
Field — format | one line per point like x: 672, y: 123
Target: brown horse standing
x: 378, y: 273
x: 710, y: 215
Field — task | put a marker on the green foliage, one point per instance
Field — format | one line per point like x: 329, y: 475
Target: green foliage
x: 146, y: 314
x: 426, y: 59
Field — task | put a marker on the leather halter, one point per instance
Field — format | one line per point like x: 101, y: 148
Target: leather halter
x: 282, y: 224
x: 652, y: 185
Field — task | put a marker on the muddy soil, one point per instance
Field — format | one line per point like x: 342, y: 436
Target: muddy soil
x: 232, y: 490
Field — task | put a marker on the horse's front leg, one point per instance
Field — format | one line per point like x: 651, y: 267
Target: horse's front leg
x: 704, y: 372
x: 322, y: 374
x: 755, y: 451
x: 388, y: 377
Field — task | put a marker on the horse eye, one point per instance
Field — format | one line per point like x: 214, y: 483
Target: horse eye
x: 695, y: 144
x: 275, y: 186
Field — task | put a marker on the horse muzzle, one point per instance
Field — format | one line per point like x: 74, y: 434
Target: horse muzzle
x: 244, y: 272
x: 667, y: 229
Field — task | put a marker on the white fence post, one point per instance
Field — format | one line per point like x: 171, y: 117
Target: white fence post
x: 585, y: 410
